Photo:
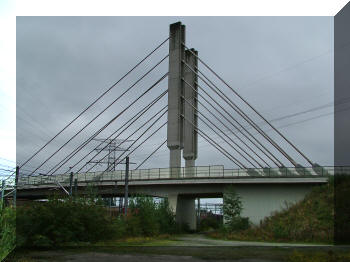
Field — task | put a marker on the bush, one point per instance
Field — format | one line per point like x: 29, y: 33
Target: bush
x: 62, y: 221
x: 232, y: 208
x: 310, y: 220
x: 208, y: 223
x: 7, y: 230
x: 148, y: 218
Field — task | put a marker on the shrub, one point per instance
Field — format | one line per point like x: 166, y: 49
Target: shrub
x: 61, y: 221
x: 232, y: 208
x: 148, y: 218
x: 209, y: 222
x: 7, y: 230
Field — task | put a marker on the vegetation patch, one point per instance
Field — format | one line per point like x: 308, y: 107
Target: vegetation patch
x: 7, y: 230
x: 308, y: 221
x: 83, y: 221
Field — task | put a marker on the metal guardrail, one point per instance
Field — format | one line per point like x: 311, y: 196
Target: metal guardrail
x: 185, y: 173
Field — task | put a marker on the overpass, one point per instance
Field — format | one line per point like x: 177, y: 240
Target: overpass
x: 199, y: 103
x: 262, y: 190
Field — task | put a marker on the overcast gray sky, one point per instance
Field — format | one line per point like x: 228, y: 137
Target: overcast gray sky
x: 281, y: 65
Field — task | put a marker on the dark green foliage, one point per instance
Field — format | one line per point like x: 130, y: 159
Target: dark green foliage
x: 148, y: 218
x: 310, y: 220
x: 209, y: 222
x: 7, y: 230
x: 232, y: 208
x: 342, y: 209
x: 166, y: 218
x: 61, y: 221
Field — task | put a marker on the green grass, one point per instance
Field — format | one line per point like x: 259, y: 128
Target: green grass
x: 308, y: 221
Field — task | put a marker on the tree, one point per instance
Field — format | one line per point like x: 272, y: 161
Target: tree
x: 232, y: 208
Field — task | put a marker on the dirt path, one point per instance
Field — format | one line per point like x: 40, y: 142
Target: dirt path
x: 202, y: 240
x: 186, y: 248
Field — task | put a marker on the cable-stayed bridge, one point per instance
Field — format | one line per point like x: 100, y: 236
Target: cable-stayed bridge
x: 199, y: 104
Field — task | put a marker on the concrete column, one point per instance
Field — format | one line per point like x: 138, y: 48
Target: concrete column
x: 190, y: 169
x: 172, y: 199
x: 190, y: 133
x: 184, y: 209
x: 175, y: 91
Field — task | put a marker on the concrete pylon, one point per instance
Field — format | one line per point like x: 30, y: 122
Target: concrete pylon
x: 190, y: 133
x: 184, y: 209
x: 175, y: 91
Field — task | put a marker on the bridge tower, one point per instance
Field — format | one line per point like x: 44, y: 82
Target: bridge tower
x: 175, y: 91
x: 181, y: 135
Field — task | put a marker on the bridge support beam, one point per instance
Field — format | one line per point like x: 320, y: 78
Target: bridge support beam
x: 185, y: 210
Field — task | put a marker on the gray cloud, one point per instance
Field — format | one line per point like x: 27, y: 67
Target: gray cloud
x: 282, y: 65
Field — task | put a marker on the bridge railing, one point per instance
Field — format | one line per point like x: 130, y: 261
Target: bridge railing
x: 217, y: 171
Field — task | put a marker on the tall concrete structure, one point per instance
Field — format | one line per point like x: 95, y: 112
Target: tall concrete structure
x: 190, y: 133
x: 181, y: 134
x: 175, y: 91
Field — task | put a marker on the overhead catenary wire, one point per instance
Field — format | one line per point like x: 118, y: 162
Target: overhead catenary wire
x: 95, y: 101
x: 115, y: 100
x: 275, y: 129
x: 112, y: 120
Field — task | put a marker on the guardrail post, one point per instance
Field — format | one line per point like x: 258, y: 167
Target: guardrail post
x: 159, y: 173
x: 209, y: 171
x: 149, y: 171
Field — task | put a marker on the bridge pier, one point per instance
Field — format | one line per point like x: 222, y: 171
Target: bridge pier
x: 184, y: 209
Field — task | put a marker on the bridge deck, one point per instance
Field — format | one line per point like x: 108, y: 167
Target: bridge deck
x: 192, y: 173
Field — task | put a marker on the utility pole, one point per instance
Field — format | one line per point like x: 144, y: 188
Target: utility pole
x: 71, y: 184
x: 126, y: 195
x: 2, y: 192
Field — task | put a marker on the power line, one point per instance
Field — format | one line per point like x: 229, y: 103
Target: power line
x: 138, y: 137
x: 141, y: 142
